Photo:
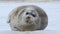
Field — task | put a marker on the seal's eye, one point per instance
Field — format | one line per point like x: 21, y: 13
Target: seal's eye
x: 33, y: 15
x: 27, y: 13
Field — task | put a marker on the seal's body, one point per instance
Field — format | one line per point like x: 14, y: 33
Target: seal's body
x: 28, y: 18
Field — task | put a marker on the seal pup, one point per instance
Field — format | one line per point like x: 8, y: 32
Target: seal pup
x: 28, y: 18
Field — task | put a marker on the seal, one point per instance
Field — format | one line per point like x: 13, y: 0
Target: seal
x: 28, y: 18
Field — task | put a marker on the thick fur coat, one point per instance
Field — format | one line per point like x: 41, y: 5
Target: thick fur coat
x: 28, y: 18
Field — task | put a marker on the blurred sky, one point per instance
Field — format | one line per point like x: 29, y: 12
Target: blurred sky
x: 52, y: 9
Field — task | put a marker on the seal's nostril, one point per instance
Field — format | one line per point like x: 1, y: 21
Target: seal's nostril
x: 28, y: 17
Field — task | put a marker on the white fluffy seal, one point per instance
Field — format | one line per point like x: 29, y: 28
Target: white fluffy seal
x: 28, y: 18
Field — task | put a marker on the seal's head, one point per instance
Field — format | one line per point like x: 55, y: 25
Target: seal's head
x: 30, y: 19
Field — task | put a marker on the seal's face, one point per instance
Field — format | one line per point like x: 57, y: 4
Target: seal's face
x: 29, y: 18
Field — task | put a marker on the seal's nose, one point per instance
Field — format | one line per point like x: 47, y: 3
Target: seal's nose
x: 28, y: 17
